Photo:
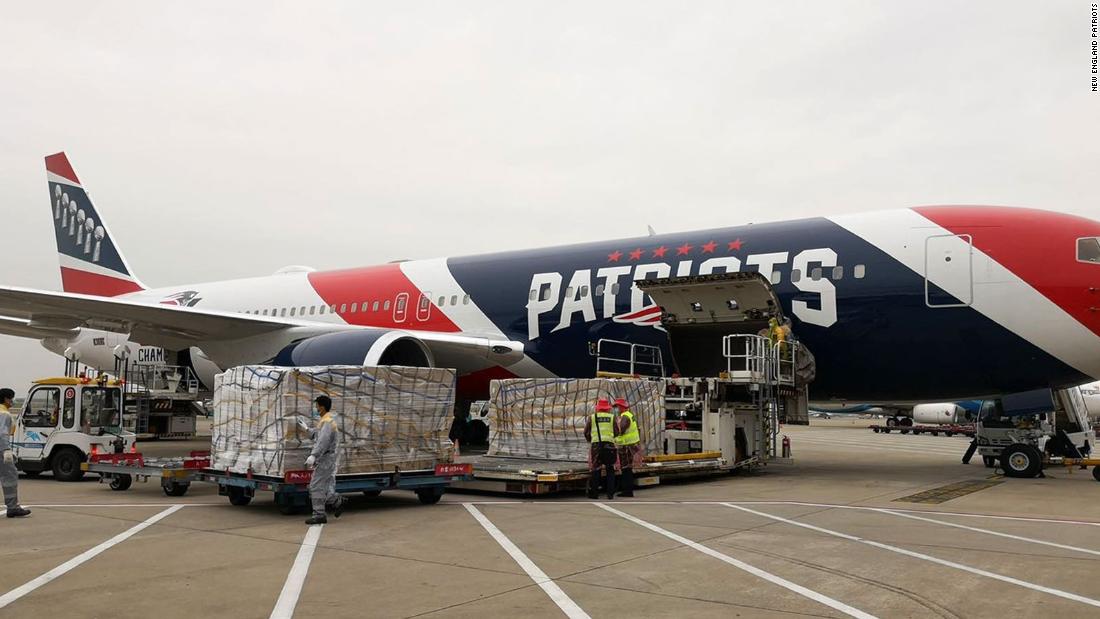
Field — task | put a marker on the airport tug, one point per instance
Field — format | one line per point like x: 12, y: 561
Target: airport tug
x: 68, y: 421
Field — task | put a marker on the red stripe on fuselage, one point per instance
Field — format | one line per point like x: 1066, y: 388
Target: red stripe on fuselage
x: 475, y: 385
x: 59, y: 164
x: 379, y: 283
x: 1039, y: 247
x: 83, y: 282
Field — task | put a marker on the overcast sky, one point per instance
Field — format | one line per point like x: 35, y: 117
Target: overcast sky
x: 229, y: 139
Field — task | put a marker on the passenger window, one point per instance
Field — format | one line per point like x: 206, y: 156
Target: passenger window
x: 43, y: 409
x: 859, y: 271
x: 615, y: 288
x: 465, y: 299
x: 374, y: 308
x: 599, y: 290
x: 322, y: 310
x: 584, y: 291
x: 284, y: 312
x: 292, y: 310
x: 569, y: 292
x: 343, y: 307
x: 265, y: 312
x: 815, y: 273
x: 1088, y: 250
x: 354, y: 306
x: 838, y: 272
x: 545, y: 294
x: 365, y: 304
x: 796, y: 276
x: 312, y: 310
x: 386, y: 305
x: 443, y: 300
x: 776, y: 277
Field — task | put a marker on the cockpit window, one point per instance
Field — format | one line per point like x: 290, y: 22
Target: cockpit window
x: 1088, y: 249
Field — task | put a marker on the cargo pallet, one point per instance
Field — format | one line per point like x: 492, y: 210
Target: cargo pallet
x: 291, y: 492
x: 946, y: 430
x: 530, y: 476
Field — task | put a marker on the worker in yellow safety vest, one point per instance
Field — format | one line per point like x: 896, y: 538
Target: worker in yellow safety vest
x: 599, y: 430
x: 629, y: 444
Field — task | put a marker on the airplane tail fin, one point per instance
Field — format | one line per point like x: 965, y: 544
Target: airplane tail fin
x: 91, y: 262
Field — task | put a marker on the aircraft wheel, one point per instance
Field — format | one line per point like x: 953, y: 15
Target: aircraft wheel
x: 1023, y: 461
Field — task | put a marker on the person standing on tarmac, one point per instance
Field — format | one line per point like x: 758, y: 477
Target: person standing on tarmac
x: 9, y: 476
x: 322, y: 460
x: 599, y: 430
x: 629, y: 444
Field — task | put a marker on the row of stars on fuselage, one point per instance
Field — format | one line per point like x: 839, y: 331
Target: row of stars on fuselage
x: 683, y: 250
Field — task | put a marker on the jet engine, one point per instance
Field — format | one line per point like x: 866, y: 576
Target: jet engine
x: 374, y: 347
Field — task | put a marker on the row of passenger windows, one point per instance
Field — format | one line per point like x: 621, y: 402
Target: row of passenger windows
x: 837, y: 273
x: 345, y: 308
x: 321, y: 310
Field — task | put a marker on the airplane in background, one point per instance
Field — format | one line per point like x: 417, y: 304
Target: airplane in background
x: 928, y: 413
x: 918, y: 304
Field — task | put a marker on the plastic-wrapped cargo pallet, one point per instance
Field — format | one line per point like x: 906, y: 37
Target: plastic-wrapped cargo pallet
x: 544, y: 417
x: 389, y: 417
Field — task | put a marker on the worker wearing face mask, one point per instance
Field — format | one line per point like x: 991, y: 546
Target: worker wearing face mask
x: 322, y: 460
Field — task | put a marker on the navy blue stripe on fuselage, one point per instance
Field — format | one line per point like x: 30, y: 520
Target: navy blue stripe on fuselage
x: 884, y: 344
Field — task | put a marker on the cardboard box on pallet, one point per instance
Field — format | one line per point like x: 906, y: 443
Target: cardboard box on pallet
x: 389, y: 417
x: 544, y: 417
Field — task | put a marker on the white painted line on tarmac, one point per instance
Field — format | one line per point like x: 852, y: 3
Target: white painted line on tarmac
x: 564, y: 602
x: 916, y: 555
x: 122, y: 504
x: 988, y: 532
x: 83, y: 557
x: 292, y: 588
x: 938, y: 451
x: 755, y: 571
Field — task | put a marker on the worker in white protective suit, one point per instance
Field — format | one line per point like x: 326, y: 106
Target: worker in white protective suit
x: 9, y: 477
x: 322, y: 460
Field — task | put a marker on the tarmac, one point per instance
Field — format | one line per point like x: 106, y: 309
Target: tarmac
x: 858, y: 524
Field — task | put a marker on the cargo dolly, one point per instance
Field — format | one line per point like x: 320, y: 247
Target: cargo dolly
x: 291, y: 492
x: 120, y: 470
x: 946, y: 430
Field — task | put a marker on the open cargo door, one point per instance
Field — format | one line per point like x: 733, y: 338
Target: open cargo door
x: 699, y: 311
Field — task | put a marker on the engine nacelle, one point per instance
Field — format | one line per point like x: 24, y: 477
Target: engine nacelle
x: 939, y: 413
x: 374, y: 347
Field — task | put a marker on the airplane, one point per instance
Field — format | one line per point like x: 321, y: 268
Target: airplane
x: 929, y: 303
x: 927, y: 413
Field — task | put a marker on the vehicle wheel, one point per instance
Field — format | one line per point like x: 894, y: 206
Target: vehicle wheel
x: 934, y: 433
x: 429, y: 496
x: 238, y: 497
x: 121, y: 482
x: 875, y: 430
x: 370, y: 494
x: 176, y: 489
x: 1096, y: 473
x: 66, y: 465
x: 990, y: 462
x: 906, y: 421
x: 891, y: 422
x: 1022, y: 461
x: 949, y: 434
x: 887, y: 430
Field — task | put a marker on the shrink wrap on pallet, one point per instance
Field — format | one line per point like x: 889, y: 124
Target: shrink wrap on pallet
x: 544, y: 417
x: 389, y: 417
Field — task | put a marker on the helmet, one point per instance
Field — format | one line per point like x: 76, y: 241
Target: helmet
x: 603, y: 406
x: 621, y: 402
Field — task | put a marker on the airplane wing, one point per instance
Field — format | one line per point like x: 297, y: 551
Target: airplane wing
x: 41, y: 313
x: 160, y: 325
x: 22, y: 328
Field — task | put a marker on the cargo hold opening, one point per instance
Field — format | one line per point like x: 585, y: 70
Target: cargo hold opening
x: 699, y: 311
